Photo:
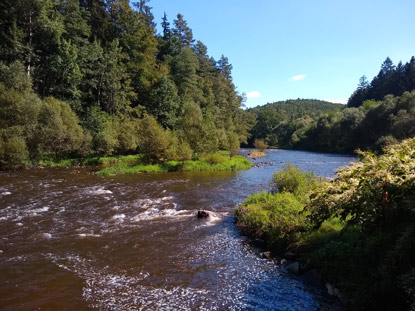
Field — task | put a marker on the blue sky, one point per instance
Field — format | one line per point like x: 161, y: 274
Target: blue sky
x: 300, y: 48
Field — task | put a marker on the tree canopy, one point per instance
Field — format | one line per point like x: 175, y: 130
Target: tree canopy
x: 101, y: 68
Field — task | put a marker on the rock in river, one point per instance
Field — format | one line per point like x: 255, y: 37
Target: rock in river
x: 202, y: 214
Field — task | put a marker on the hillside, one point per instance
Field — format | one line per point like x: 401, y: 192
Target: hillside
x: 281, y: 123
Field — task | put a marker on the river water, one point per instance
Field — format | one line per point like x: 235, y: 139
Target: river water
x: 72, y: 240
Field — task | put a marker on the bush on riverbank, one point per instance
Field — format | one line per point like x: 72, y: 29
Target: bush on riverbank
x: 357, y: 229
x: 277, y: 218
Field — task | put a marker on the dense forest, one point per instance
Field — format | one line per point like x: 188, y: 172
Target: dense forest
x: 384, y: 115
x: 281, y: 124
x: 80, y: 78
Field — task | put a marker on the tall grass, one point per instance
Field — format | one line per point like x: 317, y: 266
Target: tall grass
x: 216, y: 162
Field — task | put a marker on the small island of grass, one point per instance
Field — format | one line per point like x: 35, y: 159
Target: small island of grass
x: 260, y: 145
x: 257, y: 154
x: 211, y: 162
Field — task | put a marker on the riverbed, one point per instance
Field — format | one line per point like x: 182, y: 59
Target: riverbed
x: 72, y: 240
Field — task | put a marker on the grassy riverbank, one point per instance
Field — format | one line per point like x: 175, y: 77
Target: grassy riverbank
x: 213, y: 162
x: 357, y: 230
x: 131, y: 164
x: 88, y: 161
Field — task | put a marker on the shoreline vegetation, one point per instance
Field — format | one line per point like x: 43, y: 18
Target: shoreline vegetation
x: 357, y: 230
x: 212, y: 162
x: 131, y: 164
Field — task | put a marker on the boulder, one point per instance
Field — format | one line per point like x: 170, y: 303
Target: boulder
x: 266, y: 255
x: 294, y: 267
x: 202, y: 214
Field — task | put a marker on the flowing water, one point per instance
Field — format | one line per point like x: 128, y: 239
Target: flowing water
x: 72, y: 240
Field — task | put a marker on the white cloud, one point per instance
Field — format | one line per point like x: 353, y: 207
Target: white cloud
x: 253, y: 94
x: 298, y: 77
x: 337, y: 101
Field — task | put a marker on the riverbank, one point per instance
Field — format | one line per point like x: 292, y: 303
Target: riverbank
x: 131, y: 164
x: 215, y: 162
x: 356, y: 230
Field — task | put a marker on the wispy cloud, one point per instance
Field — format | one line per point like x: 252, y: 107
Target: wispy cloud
x: 298, y: 77
x: 337, y: 101
x: 253, y: 94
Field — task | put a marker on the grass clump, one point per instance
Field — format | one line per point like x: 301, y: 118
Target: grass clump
x: 277, y: 217
x: 291, y: 179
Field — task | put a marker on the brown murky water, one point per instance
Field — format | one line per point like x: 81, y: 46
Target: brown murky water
x: 71, y: 240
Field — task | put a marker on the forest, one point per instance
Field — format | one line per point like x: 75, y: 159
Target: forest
x: 82, y: 78
x: 377, y: 114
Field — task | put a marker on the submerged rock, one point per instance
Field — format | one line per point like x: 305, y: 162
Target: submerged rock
x: 294, y: 267
x: 333, y: 291
x: 202, y: 214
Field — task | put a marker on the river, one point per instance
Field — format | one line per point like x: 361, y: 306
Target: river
x: 72, y: 240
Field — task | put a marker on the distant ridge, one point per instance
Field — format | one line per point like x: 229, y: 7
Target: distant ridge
x: 298, y: 107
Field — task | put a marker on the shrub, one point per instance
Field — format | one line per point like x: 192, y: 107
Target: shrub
x: 154, y: 140
x: 260, y: 144
x: 273, y: 217
x: 291, y: 179
x: 13, y: 153
x: 214, y: 158
x: 374, y: 198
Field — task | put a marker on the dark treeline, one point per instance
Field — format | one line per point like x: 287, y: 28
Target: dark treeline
x: 86, y: 77
x: 391, y: 80
x: 384, y: 115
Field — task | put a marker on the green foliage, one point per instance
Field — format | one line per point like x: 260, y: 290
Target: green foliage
x: 15, y: 77
x: 234, y: 164
x: 106, y: 61
x: 391, y: 80
x: 260, y: 144
x: 58, y: 131
x: 374, y: 198
x: 13, y: 152
x: 154, y: 140
x: 357, y: 229
x: 284, y: 124
x: 214, y: 158
x: 273, y: 217
x: 234, y: 144
x: 292, y: 180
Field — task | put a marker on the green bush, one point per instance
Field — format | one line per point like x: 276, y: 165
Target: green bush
x: 273, y: 217
x: 375, y: 199
x: 214, y: 158
x: 13, y: 153
x: 260, y: 144
x: 154, y: 140
x: 291, y: 179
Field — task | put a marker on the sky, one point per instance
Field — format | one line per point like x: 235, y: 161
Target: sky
x: 282, y: 49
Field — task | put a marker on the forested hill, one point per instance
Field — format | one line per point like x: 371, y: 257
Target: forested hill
x: 378, y: 114
x: 81, y: 78
x: 281, y: 123
x: 294, y: 108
